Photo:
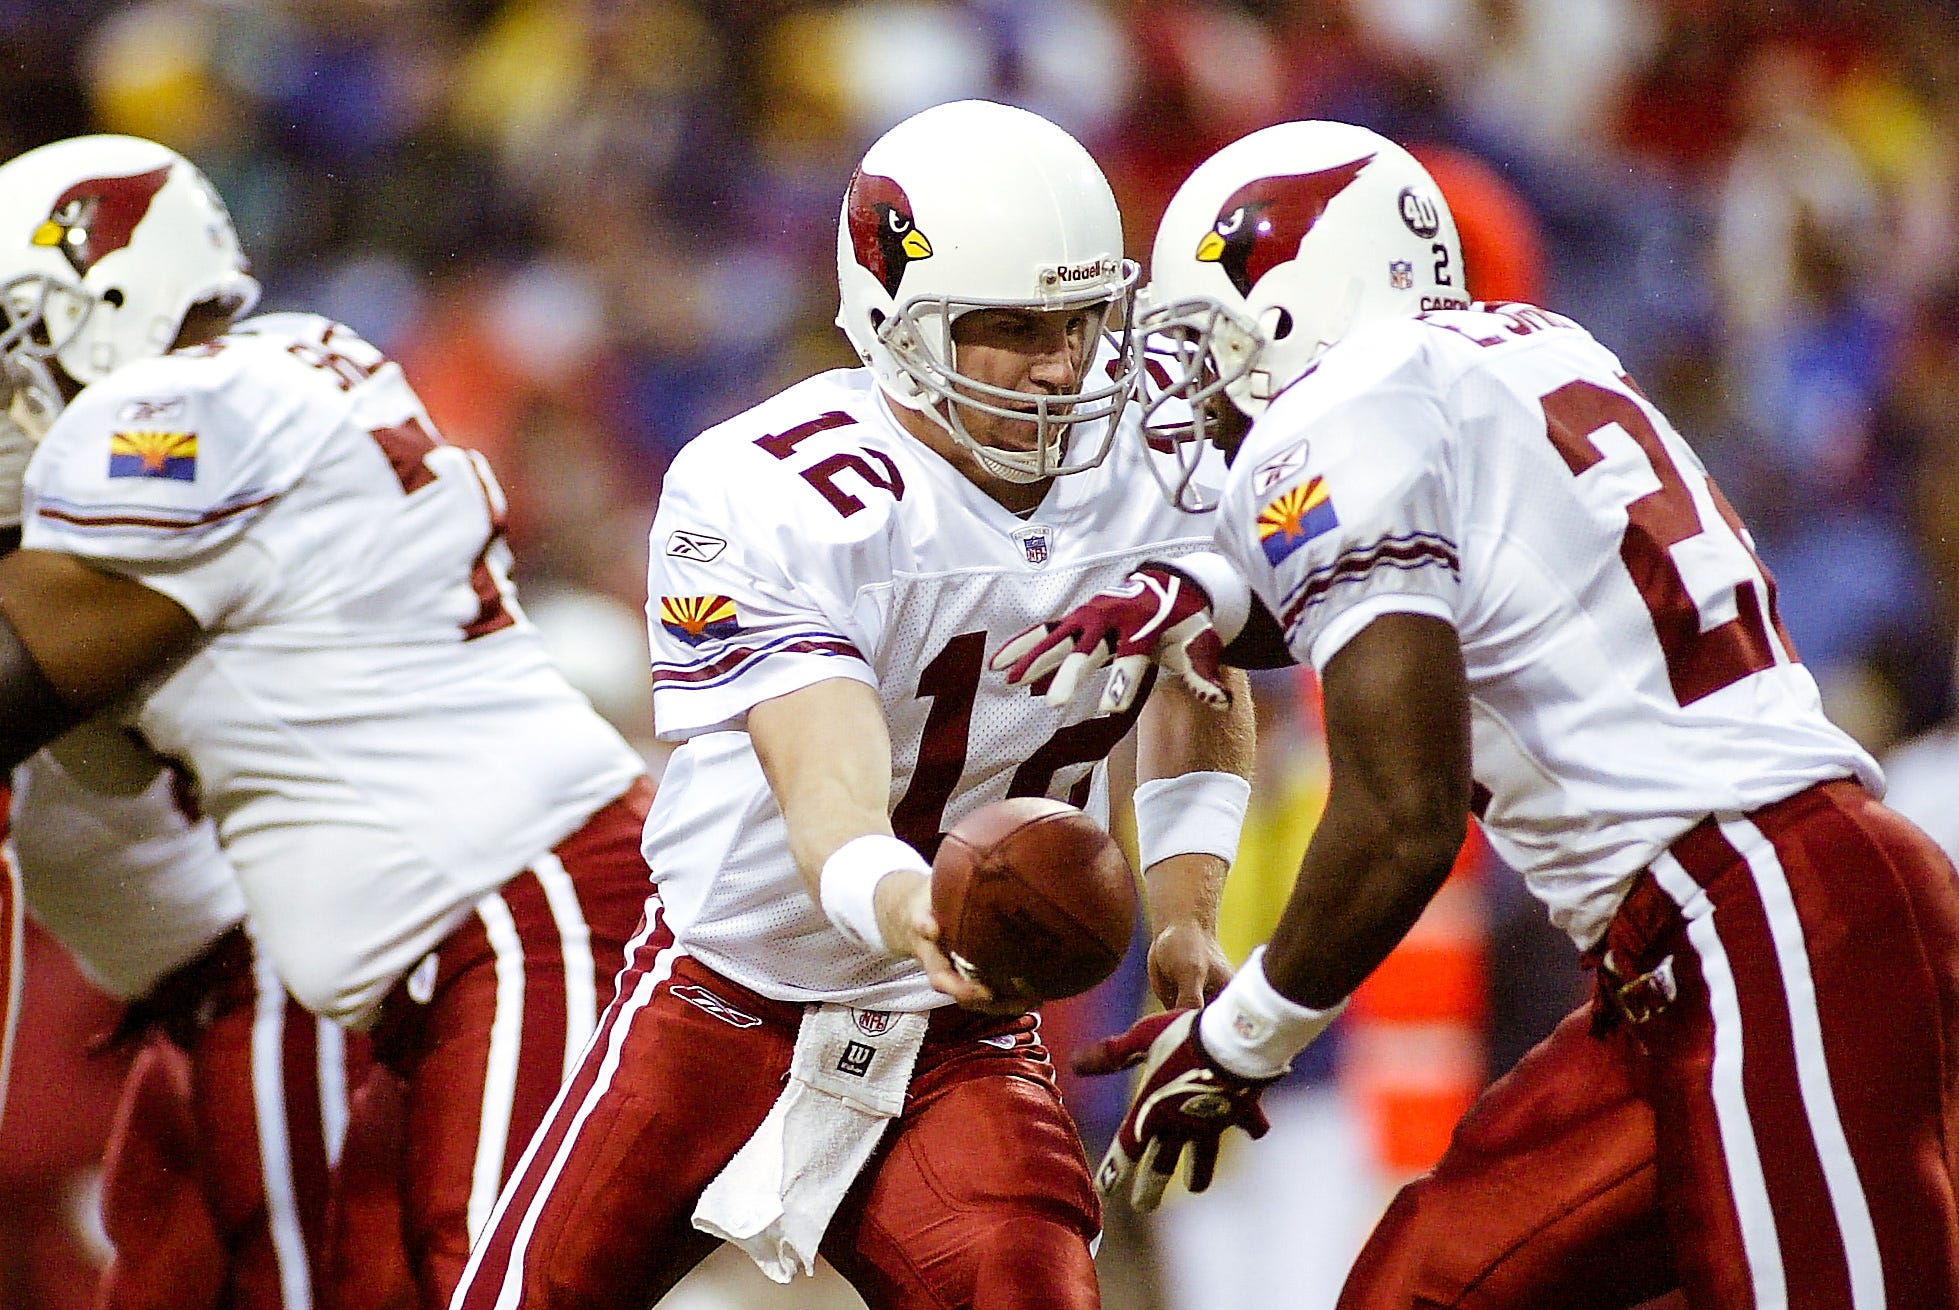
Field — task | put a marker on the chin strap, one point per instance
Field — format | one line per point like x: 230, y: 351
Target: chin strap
x: 32, y: 713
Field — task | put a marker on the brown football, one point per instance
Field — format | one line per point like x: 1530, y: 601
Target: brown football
x: 1033, y: 898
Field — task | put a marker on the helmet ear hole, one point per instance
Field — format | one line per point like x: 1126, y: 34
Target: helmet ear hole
x: 1282, y: 326
x: 877, y: 320
x: 113, y: 296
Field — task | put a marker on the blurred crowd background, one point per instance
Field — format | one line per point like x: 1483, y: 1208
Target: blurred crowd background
x: 589, y: 228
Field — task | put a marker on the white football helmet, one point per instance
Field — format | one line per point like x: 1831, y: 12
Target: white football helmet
x: 973, y: 205
x: 106, y: 242
x: 1274, y: 249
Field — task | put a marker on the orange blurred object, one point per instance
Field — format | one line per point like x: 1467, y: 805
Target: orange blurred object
x: 1502, y: 243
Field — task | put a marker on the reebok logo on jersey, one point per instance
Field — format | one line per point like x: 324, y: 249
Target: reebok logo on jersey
x: 1295, y: 518
x: 696, y: 546
x: 695, y: 619
x: 170, y: 455
x: 702, y: 998
x: 1278, y: 469
x: 159, y: 409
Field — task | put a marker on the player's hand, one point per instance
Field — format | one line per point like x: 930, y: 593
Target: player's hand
x: 1184, y: 1103
x: 1187, y: 967
x: 1156, y: 613
x: 904, y: 915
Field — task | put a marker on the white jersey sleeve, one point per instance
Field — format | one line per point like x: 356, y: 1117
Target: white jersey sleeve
x: 161, y: 468
x: 114, y: 861
x: 749, y: 586
x: 1356, y: 521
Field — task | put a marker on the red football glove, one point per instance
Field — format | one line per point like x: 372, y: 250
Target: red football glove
x: 1184, y: 1100
x: 1156, y: 613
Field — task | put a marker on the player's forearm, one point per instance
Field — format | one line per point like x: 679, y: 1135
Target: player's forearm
x: 1398, y: 755
x: 826, y: 753
x: 32, y: 713
x: 1194, y: 767
x: 1185, y: 889
x: 1354, y: 901
x: 1177, y: 733
x: 95, y: 636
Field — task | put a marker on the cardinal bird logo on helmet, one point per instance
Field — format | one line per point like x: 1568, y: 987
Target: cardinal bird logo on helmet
x: 881, y: 228
x: 95, y: 218
x: 1263, y: 222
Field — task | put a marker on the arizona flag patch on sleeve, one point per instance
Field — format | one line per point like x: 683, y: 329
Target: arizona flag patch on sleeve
x: 695, y: 619
x: 1294, y: 518
x: 170, y: 455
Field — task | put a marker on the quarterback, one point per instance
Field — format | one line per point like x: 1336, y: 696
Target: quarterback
x: 245, y: 542
x: 782, y: 1068
x: 1526, y: 600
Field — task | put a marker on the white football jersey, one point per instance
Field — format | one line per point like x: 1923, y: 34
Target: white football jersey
x: 374, y: 726
x: 1627, y: 673
x: 119, y: 869
x: 812, y: 538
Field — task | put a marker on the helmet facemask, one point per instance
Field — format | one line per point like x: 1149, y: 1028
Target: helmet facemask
x: 920, y: 340
x: 1195, y: 354
x: 42, y: 317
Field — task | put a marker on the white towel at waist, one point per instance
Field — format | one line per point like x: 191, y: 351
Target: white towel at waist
x: 847, y: 1080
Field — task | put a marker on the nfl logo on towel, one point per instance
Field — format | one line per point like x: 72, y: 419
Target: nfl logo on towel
x: 1035, y: 543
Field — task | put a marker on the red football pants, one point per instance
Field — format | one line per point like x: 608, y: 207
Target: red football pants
x: 978, y: 1195
x: 1773, y: 1120
x: 216, y: 1175
x: 480, y: 1036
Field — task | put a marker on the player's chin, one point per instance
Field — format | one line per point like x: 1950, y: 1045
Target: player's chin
x: 1019, y: 438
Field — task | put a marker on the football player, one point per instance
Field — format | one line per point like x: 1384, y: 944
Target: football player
x: 215, y: 1182
x: 246, y: 542
x: 828, y: 572
x: 1526, y: 600
x: 215, y: 1179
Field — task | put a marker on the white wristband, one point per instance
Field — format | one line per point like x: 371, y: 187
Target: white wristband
x: 1231, y: 595
x: 1252, y: 1030
x: 1190, y: 814
x: 847, y: 886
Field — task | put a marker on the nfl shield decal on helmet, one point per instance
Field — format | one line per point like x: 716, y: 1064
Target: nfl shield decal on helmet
x: 697, y: 619
x: 1036, y: 543
x: 1294, y: 518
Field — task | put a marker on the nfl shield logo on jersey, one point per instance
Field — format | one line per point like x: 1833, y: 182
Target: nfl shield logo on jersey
x: 1035, y: 543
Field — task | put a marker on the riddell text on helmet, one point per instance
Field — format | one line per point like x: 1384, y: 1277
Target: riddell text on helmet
x: 1082, y: 272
